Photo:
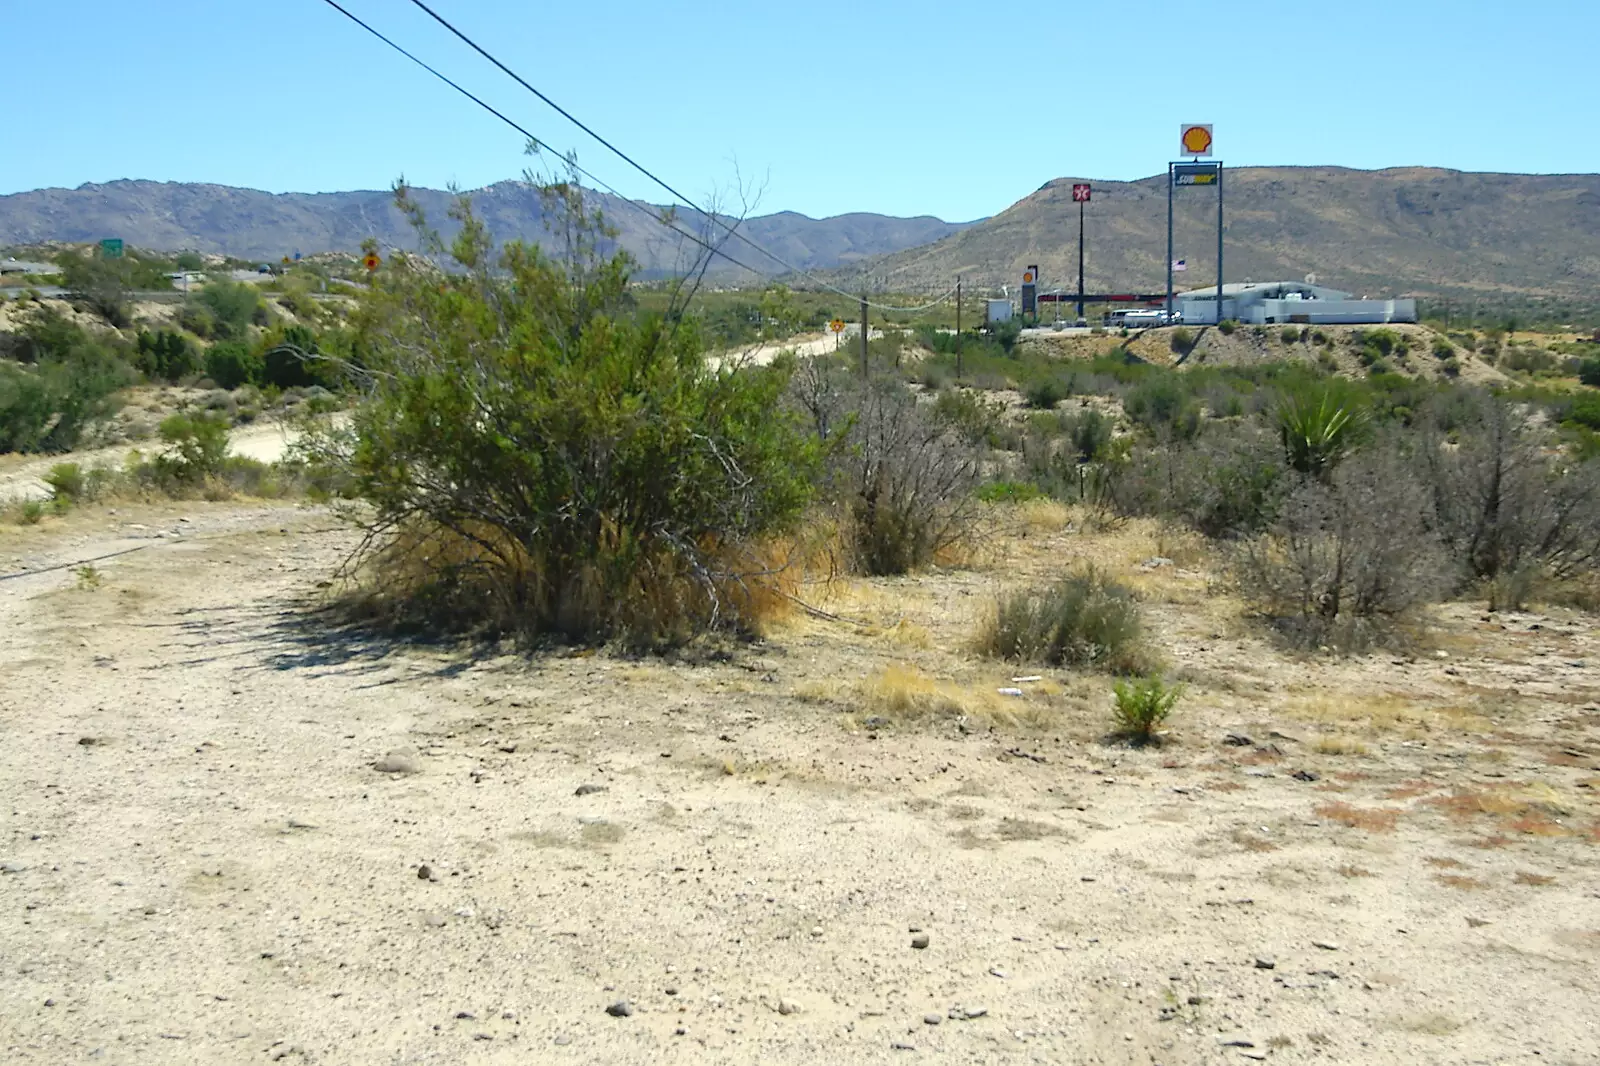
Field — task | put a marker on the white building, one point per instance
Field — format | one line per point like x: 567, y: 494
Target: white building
x: 1268, y: 302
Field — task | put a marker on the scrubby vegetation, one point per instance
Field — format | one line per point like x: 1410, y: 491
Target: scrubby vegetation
x: 1086, y: 619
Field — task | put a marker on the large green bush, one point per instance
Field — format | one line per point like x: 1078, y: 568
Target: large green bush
x: 70, y: 383
x: 564, y: 463
x: 232, y: 364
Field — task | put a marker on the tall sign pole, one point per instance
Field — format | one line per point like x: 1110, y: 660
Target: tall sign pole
x: 1219, y: 242
x: 1080, y: 193
x: 1195, y: 140
x: 1169, y: 241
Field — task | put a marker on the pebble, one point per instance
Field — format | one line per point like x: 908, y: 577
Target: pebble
x: 1195, y: 1001
x: 12, y: 868
x: 433, y: 921
x: 620, y: 1009
x: 670, y: 990
x: 931, y: 1019
x: 1325, y: 945
x: 88, y: 742
x: 876, y: 721
x: 397, y: 762
x: 788, y: 1006
x: 680, y: 1031
x: 50, y: 1003
x: 466, y: 1015
x: 562, y: 1040
x: 816, y: 930
x: 425, y: 872
x: 1266, y: 962
x: 588, y: 790
x: 900, y: 1046
x: 998, y: 972
x: 919, y: 941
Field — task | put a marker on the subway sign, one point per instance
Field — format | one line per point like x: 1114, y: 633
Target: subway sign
x: 1196, y: 173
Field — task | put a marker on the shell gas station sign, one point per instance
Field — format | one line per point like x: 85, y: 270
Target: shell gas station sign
x: 1195, y: 140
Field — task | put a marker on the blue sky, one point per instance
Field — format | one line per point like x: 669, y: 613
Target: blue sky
x: 955, y: 110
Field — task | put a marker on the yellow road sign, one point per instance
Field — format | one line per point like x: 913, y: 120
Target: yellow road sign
x: 837, y: 325
x: 371, y: 261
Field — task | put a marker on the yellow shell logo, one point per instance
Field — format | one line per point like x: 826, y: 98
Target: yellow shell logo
x: 1197, y: 139
x: 1027, y: 277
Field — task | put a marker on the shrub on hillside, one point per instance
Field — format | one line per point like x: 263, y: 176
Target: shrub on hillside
x: 1182, y: 340
x: 1141, y: 705
x: 233, y: 364
x: 46, y: 407
x: 166, y: 355
x: 540, y: 457
x: 1589, y: 372
x: 1086, y: 619
x: 1227, y: 326
x: 1046, y: 392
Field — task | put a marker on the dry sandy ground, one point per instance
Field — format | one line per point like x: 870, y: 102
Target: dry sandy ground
x: 201, y: 864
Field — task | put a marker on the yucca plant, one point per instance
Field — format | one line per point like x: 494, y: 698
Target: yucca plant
x: 1318, y: 431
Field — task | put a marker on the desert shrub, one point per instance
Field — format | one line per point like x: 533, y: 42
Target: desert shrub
x: 1090, y: 433
x: 1182, y: 340
x: 1162, y: 404
x: 1589, y: 372
x: 906, y: 479
x: 1505, y: 504
x: 1009, y: 492
x: 1141, y: 705
x: 1046, y: 392
x: 196, y: 447
x: 539, y: 456
x: 102, y: 285
x: 293, y: 358
x: 1292, y: 334
x: 1528, y: 359
x: 166, y: 355
x: 1348, y: 557
x: 196, y: 318
x: 1227, y: 326
x: 1086, y: 619
x: 1451, y: 367
x: 48, y: 406
x: 1442, y: 348
x: 71, y: 483
x: 1007, y: 334
x: 232, y: 364
x: 232, y: 306
x: 1320, y: 337
x: 1224, y: 484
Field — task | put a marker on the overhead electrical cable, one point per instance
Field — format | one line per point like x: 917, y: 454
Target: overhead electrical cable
x: 642, y: 169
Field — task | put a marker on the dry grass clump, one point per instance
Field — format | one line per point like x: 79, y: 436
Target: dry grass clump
x: 1334, y: 744
x: 436, y: 579
x: 1372, y: 819
x: 1387, y: 713
x: 1461, y: 881
x: 1086, y: 619
x: 905, y: 695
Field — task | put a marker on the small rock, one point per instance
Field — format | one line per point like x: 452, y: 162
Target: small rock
x: 931, y: 1019
x: 588, y: 790
x: 509, y: 749
x: 816, y: 930
x: 680, y: 1031
x: 466, y: 1015
x: 1304, y: 775
x: 901, y: 1046
x: 397, y: 762
x: 88, y: 742
x: 620, y: 1009
x: 50, y: 1003
x: 1477, y: 923
x: 1233, y: 1041
x: 562, y: 1040
x: 919, y: 941
x: 1325, y: 945
x: 433, y: 921
x: 1237, y: 740
x: 975, y: 1012
x: 788, y: 1006
x: 876, y: 721
x: 670, y: 990
x: 17, y: 868
x: 424, y: 872
x: 1266, y: 962
x: 1195, y: 1001
x: 998, y: 972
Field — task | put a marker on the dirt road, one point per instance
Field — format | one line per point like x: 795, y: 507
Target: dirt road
x: 235, y: 835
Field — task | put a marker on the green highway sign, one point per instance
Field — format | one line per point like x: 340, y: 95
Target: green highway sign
x: 111, y: 247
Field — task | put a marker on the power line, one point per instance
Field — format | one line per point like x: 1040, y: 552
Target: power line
x: 524, y: 131
x: 620, y: 154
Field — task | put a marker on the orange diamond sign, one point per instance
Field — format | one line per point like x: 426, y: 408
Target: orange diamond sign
x: 1196, y: 139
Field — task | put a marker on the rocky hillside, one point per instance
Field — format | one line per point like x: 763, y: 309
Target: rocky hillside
x: 1470, y: 237
x: 170, y: 216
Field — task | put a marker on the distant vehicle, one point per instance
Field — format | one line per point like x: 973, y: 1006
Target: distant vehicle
x: 264, y: 268
x: 1081, y: 323
x: 1146, y: 319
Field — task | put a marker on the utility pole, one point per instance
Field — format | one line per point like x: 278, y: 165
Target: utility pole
x: 958, y: 305
x: 863, y: 336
